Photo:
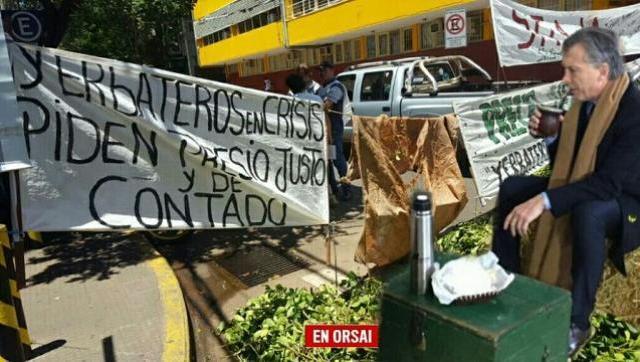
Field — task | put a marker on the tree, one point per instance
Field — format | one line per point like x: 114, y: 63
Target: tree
x: 138, y: 31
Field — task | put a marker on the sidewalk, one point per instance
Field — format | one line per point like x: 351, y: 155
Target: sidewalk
x: 103, y: 297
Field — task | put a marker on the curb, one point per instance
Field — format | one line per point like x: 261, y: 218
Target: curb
x: 176, y: 324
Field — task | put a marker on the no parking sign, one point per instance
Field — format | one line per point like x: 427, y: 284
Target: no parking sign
x: 455, y: 29
x: 25, y: 26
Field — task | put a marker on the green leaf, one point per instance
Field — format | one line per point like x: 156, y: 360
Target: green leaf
x: 276, y: 332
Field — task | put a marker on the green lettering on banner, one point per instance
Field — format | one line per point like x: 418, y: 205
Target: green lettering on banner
x: 507, y: 120
x: 488, y: 118
x: 506, y: 116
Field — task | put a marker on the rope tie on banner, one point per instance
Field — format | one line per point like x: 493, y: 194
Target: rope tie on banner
x: 15, y: 344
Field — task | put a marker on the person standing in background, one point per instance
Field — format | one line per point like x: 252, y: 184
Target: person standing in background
x: 334, y: 96
x: 311, y: 86
x: 298, y: 89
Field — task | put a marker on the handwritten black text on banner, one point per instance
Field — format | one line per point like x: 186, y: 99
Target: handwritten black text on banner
x: 116, y: 145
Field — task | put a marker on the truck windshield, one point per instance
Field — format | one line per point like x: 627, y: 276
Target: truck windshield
x: 349, y: 82
x: 376, y: 86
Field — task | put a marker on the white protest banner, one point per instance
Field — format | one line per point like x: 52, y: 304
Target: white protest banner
x: 496, y: 134
x: 526, y: 35
x: 13, y: 153
x: 634, y: 70
x: 121, y: 146
x: 455, y: 29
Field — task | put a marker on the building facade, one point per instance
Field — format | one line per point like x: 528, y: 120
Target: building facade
x: 256, y: 40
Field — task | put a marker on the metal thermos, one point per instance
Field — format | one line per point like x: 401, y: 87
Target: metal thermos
x: 421, y: 242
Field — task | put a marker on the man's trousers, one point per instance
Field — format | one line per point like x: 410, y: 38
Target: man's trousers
x: 591, y: 223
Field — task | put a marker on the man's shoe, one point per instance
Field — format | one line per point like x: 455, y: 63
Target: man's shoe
x: 578, y: 338
x: 345, y: 193
x: 333, y: 201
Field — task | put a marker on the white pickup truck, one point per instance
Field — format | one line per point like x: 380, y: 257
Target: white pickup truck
x: 417, y: 87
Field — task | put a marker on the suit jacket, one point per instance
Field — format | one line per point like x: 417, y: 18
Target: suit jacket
x: 616, y: 175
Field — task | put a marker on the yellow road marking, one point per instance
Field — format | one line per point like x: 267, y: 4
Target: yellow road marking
x: 176, y: 337
x: 8, y: 316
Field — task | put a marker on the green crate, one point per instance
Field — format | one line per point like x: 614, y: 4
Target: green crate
x: 529, y: 321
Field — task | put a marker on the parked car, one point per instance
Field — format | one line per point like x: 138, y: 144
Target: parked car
x: 417, y: 87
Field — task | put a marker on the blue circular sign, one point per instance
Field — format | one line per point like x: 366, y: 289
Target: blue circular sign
x: 26, y: 26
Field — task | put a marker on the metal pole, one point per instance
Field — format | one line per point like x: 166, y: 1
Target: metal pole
x: 285, y: 31
x: 189, y: 44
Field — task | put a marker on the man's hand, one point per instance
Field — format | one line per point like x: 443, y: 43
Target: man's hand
x: 522, y: 215
x: 534, y: 124
x: 328, y: 105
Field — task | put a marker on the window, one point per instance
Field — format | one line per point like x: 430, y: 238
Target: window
x: 407, y: 40
x: 293, y: 58
x: 216, y: 37
x: 308, y: 6
x: 311, y: 57
x: 383, y: 44
x: 347, y: 48
x: 551, y: 4
x: 619, y: 3
x: 394, y: 42
x: 297, y: 7
x: 531, y: 3
x: 376, y: 86
x: 245, y: 26
x: 256, y: 22
x: 356, y: 50
x: 273, y: 15
x: 424, y: 35
x: 351, y: 50
x: 440, y: 71
x: 431, y: 34
x: 337, y: 48
x: 302, y: 7
x: 252, y: 67
x: 474, y: 26
x: 324, y: 53
x: 349, y: 82
x: 232, y: 68
x: 371, y: 46
x: 259, y: 20
x: 577, y: 5
x: 278, y: 62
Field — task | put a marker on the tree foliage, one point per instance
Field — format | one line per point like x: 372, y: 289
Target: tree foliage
x: 138, y: 31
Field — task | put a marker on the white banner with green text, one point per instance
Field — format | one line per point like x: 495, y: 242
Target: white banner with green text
x: 496, y: 136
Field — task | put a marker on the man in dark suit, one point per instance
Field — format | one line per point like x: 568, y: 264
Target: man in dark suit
x: 602, y: 204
